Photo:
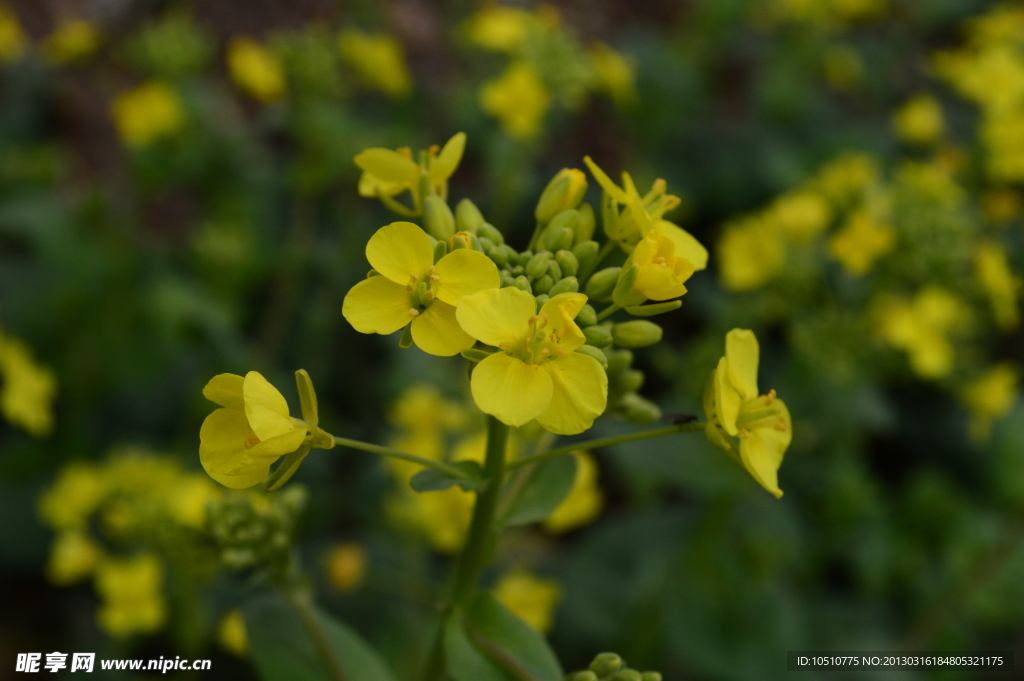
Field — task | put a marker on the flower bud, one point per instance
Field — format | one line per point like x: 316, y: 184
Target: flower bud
x: 631, y: 380
x: 566, y: 285
x: 638, y: 333
x: 602, y: 284
x: 567, y: 219
x: 541, y: 299
x: 465, y: 240
x: 591, y: 351
x: 544, y: 284
x: 468, y: 217
x: 651, y: 676
x: 517, y: 270
x: 585, y: 227
x: 537, y: 267
x: 586, y: 253
x: 554, y: 270
x: 499, y: 256
x: 485, y: 243
x: 524, y: 258
x: 557, y: 239
x: 491, y: 232
x: 507, y: 279
x: 522, y: 283
x: 565, y: 190
x: 567, y: 261
x: 619, y: 361
x: 584, y: 676
x: 437, y: 218
x: 606, y: 664
x: 627, y: 675
x: 587, y: 316
x: 624, y: 295
x: 440, y: 250
x: 513, y: 257
x: 598, y: 336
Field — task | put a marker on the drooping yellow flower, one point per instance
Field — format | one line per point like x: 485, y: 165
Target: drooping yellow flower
x: 751, y: 253
x: 532, y: 599
x: 147, y: 113
x: 922, y: 327
x: 802, y: 215
x: 254, y: 428
x: 535, y: 374
x: 662, y: 273
x: 73, y: 497
x: 388, y: 173
x: 920, y: 120
x: 73, y: 41
x: 991, y: 397
x: 12, y: 36
x: 584, y: 501
x: 518, y: 99
x: 614, y: 73
x: 378, y: 60
x: 73, y: 556
x: 499, y: 27
x: 998, y: 281
x: 256, y: 69
x: 346, y: 565
x: 862, y: 241
x: 410, y: 288
x: 132, y: 602
x: 737, y: 413
x: 26, y: 398
x: 232, y: 634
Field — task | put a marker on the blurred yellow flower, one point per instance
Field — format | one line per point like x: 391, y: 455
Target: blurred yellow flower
x: 922, y: 327
x: 499, y: 27
x: 518, y: 98
x: 378, y: 60
x: 346, y: 565
x: 12, y: 36
x: 999, y: 282
x: 802, y: 214
x: 845, y: 178
x: 130, y: 591
x: 441, y: 517
x: 583, y: 503
x: 26, y: 398
x: 232, y: 634
x: 190, y: 496
x: 73, y: 496
x: 614, y: 73
x: 532, y: 599
x: 73, y: 556
x: 750, y: 254
x: 423, y: 417
x: 147, y: 113
x: 862, y: 241
x: 256, y: 69
x: 919, y: 120
x: 662, y: 273
x: 991, y: 397
x: 73, y: 41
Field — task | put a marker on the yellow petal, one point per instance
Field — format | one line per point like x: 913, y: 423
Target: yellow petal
x: 742, y: 354
x: 561, y: 311
x: 225, y: 390
x: 371, y: 186
x: 579, y: 394
x: 464, y: 272
x: 713, y: 429
x: 497, y: 315
x: 448, y: 160
x: 265, y: 407
x: 222, y: 439
x: 658, y: 282
x: 686, y: 245
x: 509, y: 389
x: 606, y: 182
x: 400, y: 250
x: 727, y: 398
x: 377, y: 305
x: 437, y: 332
x: 763, y: 450
x: 271, y: 449
x: 389, y: 166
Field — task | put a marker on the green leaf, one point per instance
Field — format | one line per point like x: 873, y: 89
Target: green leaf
x: 283, y: 651
x: 465, y: 662
x: 433, y: 480
x: 511, y: 645
x: 543, y: 491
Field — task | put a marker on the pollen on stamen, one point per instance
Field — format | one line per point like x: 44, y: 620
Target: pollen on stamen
x: 430, y: 294
x: 745, y: 434
x: 780, y: 424
x: 558, y: 352
x: 545, y: 352
x: 410, y: 287
x: 431, y: 270
x: 505, y: 346
x: 413, y: 312
x: 251, y: 442
x: 435, y: 278
x: 770, y: 397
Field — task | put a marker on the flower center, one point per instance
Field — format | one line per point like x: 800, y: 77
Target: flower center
x: 421, y: 293
x: 538, y: 345
x: 761, y: 412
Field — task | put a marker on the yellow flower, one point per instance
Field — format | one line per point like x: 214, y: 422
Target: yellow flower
x: 736, y: 412
x: 845, y: 178
x: 73, y: 41
x: 661, y: 274
x: 999, y: 283
x: 423, y: 416
x: 147, y: 113
x: 614, y: 73
x: 535, y: 374
x: 256, y: 69
x: 188, y: 499
x: 73, y: 557
x: 28, y: 388
x: 750, y: 254
x: 518, y: 98
x: 232, y: 634
x: 584, y: 501
x: 531, y: 599
x: 12, y: 36
x: 240, y: 442
x: 132, y: 602
x: 919, y: 121
x: 863, y: 240
x: 991, y: 397
x: 74, y: 496
x: 346, y: 564
x: 387, y: 173
x: 922, y: 327
x: 499, y: 27
x: 378, y: 60
x: 803, y: 214
x: 410, y: 288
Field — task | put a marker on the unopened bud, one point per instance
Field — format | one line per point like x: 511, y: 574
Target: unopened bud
x: 619, y: 361
x: 554, y: 269
x: 587, y: 316
x: 521, y: 283
x: 565, y: 285
x: 602, y: 284
x: 638, y: 333
x: 437, y: 218
x: 517, y: 270
x: 606, y: 664
x: 468, y: 217
x: 513, y: 257
x: 556, y: 239
x: 624, y: 295
x: 524, y: 258
x: 499, y: 256
x: 565, y: 190
x: 491, y: 232
x: 507, y: 279
x: 541, y: 299
x: 584, y: 676
x: 586, y: 253
x: 627, y: 675
x: 537, y: 267
x: 485, y: 243
x: 598, y: 336
x: 440, y: 250
x: 631, y: 380
x: 568, y: 262
x: 654, y: 308
x: 544, y: 284
x: 591, y: 351
x: 651, y: 676
x: 585, y: 227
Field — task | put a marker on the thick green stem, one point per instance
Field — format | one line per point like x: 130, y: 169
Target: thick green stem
x: 448, y: 469
x: 301, y: 602
x: 692, y: 427
x: 608, y: 312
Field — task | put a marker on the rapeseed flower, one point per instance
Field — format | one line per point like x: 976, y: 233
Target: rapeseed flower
x: 615, y: 74
x: 378, y: 60
x: 862, y: 241
x: 12, y: 36
x: 751, y: 253
x: 991, y: 397
x: 423, y: 417
x: 919, y: 120
x: 736, y: 413
x: 147, y: 113
x: 73, y: 556
x: 410, y: 289
x: 130, y: 591
x: 26, y: 398
x: 803, y: 215
x: 388, y: 173
x: 256, y: 69
x: 922, y: 328
x: 232, y: 634
x: 998, y: 281
x: 532, y: 599
x: 583, y: 503
x: 518, y: 99
x: 662, y: 273
x: 535, y: 374
x: 499, y: 27
x: 73, y: 41
x: 74, y: 496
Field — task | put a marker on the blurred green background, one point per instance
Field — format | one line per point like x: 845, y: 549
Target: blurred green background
x: 178, y: 199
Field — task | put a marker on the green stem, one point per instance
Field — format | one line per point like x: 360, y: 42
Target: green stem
x: 608, y: 311
x: 584, y: 274
x: 536, y: 235
x: 692, y: 427
x: 441, y: 466
x: 301, y: 602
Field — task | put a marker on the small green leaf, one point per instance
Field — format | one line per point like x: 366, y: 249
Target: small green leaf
x: 544, y: 491
x: 433, y: 480
x: 465, y: 662
x: 510, y: 644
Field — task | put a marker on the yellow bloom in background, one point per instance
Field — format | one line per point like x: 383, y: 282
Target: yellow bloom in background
x: 803, y: 215
x: 387, y: 172
x: 518, y: 99
x: 615, y: 74
x: 845, y: 178
x: 232, y: 634
x: 499, y: 27
x: 411, y: 289
x: 922, y: 328
x: 73, y: 41
x: 990, y: 398
x: 147, y: 113
x: 583, y: 503
x: 346, y: 565
x: 73, y: 556
x: 132, y: 602
x: 73, y: 497
x: 26, y: 397
x: 191, y: 495
x: 256, y: 69
x: 378, y: 60
x: 423, y: 417
x: 862, y: 241
x: 532, y: 599
x: 999, y: 282
x: 661, y: 274
x: 442, y: 518
x: 750, y: 254
x: 920, y: 120
x: 240, y: 442
x: 535, y: 374
x: 12, y: 36
x: 735, y: 411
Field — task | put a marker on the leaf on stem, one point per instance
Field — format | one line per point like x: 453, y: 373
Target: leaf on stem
x: 433, y: 480
x: 548, y: 486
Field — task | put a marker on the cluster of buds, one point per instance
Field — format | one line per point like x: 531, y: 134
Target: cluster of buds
x: 254, y: 529
x: 610, y: 667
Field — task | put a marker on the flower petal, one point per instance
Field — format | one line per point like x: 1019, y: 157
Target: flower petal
x: 498, y: 315
x: 389, y: 166
x: 377, y: 305
x: 686, y: 245
x: 436, y: 331
x: 727, y: 398
x: 606, y: 183
x: 448, y: 160
x: 742, y: 354
x: 561, y: 311
x: 222, y: 440
x: 658, y: 282
x: 265, y: 407
x: 509, y: 389
x: 400, y: 250
x: 225, y: 390
x: 278, y: 446
x: 464, y: 272
x: 579, y: 395
x: 763, y: 450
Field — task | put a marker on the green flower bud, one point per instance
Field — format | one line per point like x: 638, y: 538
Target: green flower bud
x: 486, y: 244
x: 437, y: 218
x: 468, y: 217
x: 627, y: 675
x: 651, y: 676
x: 498, y: 256
x: 541, y: 299
x: 521, y: 283
x: 624, y: 295
x: 537, y: 267
x: 544, y: 284
x: 568, y: 262
x: 587, y: 316
x: 566, y: 285
x: 598, y: 336
x: 584, y: 676
x: 619, y: 361
x: 507, y: 279
x: 606, y: 664
x: 654, y: 308
x: 556, y: 239
x: 565, y: 190
x: 567, y: 219
x: 524, y: 258
x: 554, y: 270
x: 513, y: 257
x: 638, y: 333
x: 585, y: 228
x: 491, y: 232
x: 631, y: 380
x: 639, y: 411
x: 517, y: 270
x: 586, y: 252
x: 591, y: 351
x: 602, y: 284
x: 440, y: 250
